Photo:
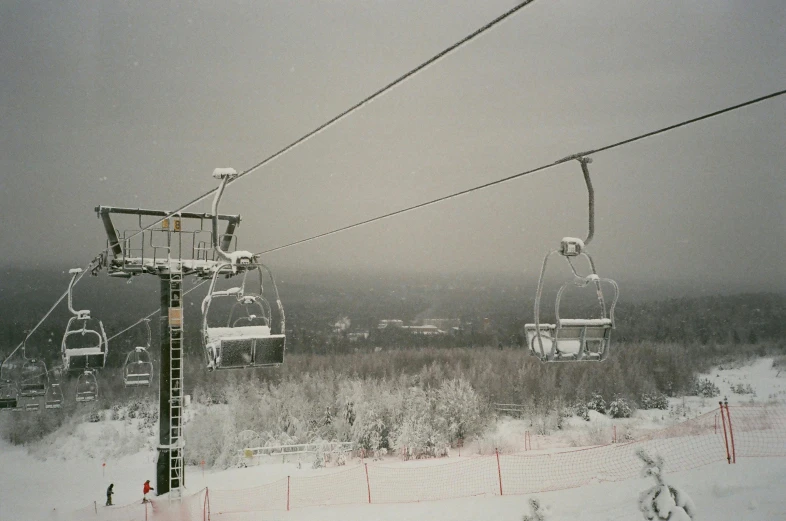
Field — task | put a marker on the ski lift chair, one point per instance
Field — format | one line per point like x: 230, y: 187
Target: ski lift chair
x: 85, y: 331
x: 138, y: 369
x: 574, y: 339
x: 34, y: 378
x: 54, y: 396
x: 9, y: 394
x: 247, y: 339
x: 9, y: 390
x: 86, y: 387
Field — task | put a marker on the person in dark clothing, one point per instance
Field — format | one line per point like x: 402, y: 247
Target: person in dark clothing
x: 109, y: 493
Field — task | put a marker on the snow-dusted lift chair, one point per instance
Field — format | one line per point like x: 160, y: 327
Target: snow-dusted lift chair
x: 138, y: 369
x: 9, y: 394
x: 86, y: 387
x: 54, y: 394
x: 574, y: 339
x: 34, y: 378
x: 9, y: 387
x: 84, y: 343
x: 249, y: 337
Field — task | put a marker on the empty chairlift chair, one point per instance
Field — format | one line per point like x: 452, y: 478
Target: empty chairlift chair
x: 54, y: 396
x: 249, y: 335
x: 574, y: 339
x: 86, y: 387
x: 9, y: 394
x: 34, y: 378
x: 84, y: 343
x: 9, y: 388
x: 138, y: 369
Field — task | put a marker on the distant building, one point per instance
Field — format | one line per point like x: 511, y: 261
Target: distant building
x: 392, y: 323
x: 445, y: 324
x: 424, y: 330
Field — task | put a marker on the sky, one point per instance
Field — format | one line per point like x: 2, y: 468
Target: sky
x: 134, y: 103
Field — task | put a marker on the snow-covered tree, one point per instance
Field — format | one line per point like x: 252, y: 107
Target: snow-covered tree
x: 536, y: 511
x: 619, y: 408
x: 662, y: 501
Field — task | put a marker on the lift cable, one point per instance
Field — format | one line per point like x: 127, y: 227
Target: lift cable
x: 348, y: 111
x: 527, y: 172
x: 90, y: 266
x: 150, y: 315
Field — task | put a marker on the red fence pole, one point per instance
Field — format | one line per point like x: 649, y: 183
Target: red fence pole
x: 368, y: 484
x: 731, y: 435
x: 287, y: 493
x: 725, y: 438
x: 499, y: 471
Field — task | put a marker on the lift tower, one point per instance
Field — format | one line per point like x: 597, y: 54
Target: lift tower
x: 179, y: 245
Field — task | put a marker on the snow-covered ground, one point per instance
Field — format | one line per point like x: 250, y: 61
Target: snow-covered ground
x: 52, y: 481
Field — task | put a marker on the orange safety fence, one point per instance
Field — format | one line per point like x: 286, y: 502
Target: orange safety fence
x: 725, y: 434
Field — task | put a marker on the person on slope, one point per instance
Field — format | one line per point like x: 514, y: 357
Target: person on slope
x: 109, y: 493
x: 146, y: 490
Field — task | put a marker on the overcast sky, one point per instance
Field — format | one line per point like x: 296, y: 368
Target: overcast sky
x: 135, y: 103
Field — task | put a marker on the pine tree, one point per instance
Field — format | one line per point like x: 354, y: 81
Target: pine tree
x: 662, y: 501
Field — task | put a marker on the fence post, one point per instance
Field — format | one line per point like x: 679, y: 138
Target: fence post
x: 614, y: 435
x: 731, y: 434
x: 205, y: 508
x: 95, y: 507
x: 287, y: 493
x: 146, y: 503
x: 716, y: 423
x: 725, y: 438
x: 368, y: 484
x: 499, y: 471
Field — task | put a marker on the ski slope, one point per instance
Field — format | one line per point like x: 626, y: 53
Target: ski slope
x: 69, y: 475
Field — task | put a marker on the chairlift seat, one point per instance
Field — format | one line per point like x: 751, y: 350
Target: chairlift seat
x: 8, y: 395
x: 138, y: 369
x: 571, y: 339
x: 54, y: 397
x: 86, y: 387
x: 82, y: 358
x: 243, y: 346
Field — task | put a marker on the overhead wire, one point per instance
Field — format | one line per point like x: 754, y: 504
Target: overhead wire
x: 350, y: 110
x: 323, y: 126
x: 528, y: 172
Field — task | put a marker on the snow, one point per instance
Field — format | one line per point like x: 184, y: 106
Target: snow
x: 215, y: 334
x: 81, y: 351
x: 66, y: 473
x: 220, y: 173
x: 585, y: 322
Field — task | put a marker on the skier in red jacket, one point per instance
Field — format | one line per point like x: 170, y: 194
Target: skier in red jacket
x: 146, y: 490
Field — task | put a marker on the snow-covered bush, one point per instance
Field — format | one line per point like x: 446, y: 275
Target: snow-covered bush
x: 457, y: 409
x: 418, y: 435
x: 654, y: 401
x: 597, y: 403
x: 582, y: 411
x: 705, y: 388
x: 743, y: 389
x: 619, y: 408
x: 536, y: 511
x: 94, y: 416
x: 662, y: 501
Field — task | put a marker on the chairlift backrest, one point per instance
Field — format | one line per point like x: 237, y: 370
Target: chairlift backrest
x: 86, y: 387
x: 247, y: 340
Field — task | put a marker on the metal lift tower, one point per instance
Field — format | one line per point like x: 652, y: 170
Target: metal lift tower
x: 180, y: 245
